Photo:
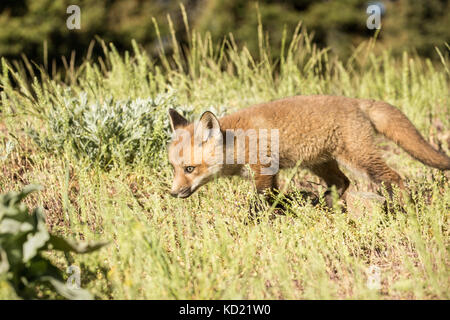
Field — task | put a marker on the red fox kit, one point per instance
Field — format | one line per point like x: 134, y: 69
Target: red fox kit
x: 322, y: 132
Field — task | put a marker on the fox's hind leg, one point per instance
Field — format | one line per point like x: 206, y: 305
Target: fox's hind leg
x: 329, y: 171
x: 374, y: 166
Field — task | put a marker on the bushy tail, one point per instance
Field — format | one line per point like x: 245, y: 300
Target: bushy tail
x: 391, y: 122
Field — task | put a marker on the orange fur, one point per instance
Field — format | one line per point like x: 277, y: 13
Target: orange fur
x: 320, y: 131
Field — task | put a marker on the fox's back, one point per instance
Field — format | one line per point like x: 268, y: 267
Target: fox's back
x: 310, y: 127
x: 299, y: 110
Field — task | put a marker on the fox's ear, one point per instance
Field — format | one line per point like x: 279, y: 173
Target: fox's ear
x: 208, y: 126
x: 176, y: 119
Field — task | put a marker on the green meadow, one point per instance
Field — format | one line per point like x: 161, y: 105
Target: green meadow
x: 94, y: 135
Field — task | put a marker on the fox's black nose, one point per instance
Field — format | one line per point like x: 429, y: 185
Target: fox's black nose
x: 173, y: 194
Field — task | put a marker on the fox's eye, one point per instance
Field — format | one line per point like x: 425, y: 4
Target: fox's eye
x: 189, y: 169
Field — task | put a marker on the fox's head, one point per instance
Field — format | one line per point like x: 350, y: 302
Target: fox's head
x: 195, y: 152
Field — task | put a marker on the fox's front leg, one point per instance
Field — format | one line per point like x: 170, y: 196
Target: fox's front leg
x: 266, y: 185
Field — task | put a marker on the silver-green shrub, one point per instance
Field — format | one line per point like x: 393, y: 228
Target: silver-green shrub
x: 109, y: 132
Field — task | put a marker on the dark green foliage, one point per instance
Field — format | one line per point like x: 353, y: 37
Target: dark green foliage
x: 23, y: 239
x: 26, y: 24
x: 341, y: 25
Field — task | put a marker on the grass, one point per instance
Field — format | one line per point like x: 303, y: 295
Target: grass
x: 201, y: 247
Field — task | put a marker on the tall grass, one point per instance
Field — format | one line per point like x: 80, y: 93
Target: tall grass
x: 200, y: 247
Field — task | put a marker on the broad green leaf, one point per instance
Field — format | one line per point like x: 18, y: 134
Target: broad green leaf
x: 4, y: 264
x: 34, y: 243
x: 37, y: 240
x: 66, y: 291
x: 23, y: 236
x: 13, y: 198
x: 8, y: 225
x: 58, y: 243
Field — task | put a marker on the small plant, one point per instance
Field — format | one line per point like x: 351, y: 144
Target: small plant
x: 6, y: 151
x: 23, y: 239
x: 110, y: 132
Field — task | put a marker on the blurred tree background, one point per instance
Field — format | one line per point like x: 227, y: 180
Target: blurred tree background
x: 33, y: 27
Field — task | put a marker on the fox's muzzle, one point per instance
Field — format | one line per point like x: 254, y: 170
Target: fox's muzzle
x: 182, y: 193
